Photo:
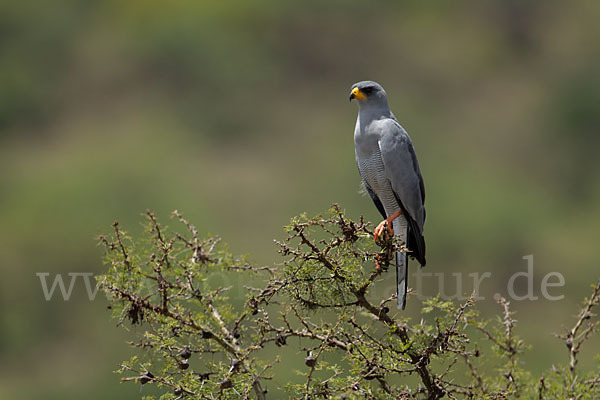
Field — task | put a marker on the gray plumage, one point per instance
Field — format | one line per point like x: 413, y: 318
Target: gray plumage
x: 390, y: 173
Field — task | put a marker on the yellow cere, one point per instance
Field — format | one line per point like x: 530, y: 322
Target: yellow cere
x: 358, y: 94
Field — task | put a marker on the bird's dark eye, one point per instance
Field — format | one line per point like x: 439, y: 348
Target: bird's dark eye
x: 368, y: 90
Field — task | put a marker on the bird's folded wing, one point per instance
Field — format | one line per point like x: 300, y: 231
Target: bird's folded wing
x: 402, y: 170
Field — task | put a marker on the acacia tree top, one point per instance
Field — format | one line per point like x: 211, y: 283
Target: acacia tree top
x: 313, y: 326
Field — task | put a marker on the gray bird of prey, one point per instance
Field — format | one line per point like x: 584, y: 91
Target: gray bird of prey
x: 390, y: 173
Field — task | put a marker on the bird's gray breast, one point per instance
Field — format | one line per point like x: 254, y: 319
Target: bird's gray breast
x: 372, y: 171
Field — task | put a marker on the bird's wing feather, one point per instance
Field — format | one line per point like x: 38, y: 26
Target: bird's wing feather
x: 403, y: 172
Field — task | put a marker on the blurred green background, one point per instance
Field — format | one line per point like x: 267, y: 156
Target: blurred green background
x: 236, y: 113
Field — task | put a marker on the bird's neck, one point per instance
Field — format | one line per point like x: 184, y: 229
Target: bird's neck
x: 368, y: 114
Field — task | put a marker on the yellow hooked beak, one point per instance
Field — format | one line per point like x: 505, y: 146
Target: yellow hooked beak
x: 357, y: 94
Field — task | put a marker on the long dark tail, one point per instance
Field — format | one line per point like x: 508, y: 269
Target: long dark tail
x: 401, y: 279
x: 401, y: 229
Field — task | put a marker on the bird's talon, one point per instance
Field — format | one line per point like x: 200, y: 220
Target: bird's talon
x: 384, y: 226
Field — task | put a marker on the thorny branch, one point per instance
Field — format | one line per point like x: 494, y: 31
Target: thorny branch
x: 200, y: 343
x: 584, y: 327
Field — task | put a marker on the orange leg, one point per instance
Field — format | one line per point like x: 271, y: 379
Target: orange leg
x: 386, y: 224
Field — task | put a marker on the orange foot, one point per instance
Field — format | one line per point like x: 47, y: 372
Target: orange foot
x: 386, y: 224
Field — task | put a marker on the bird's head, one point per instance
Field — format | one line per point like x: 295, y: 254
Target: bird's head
x: 369, y: 93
